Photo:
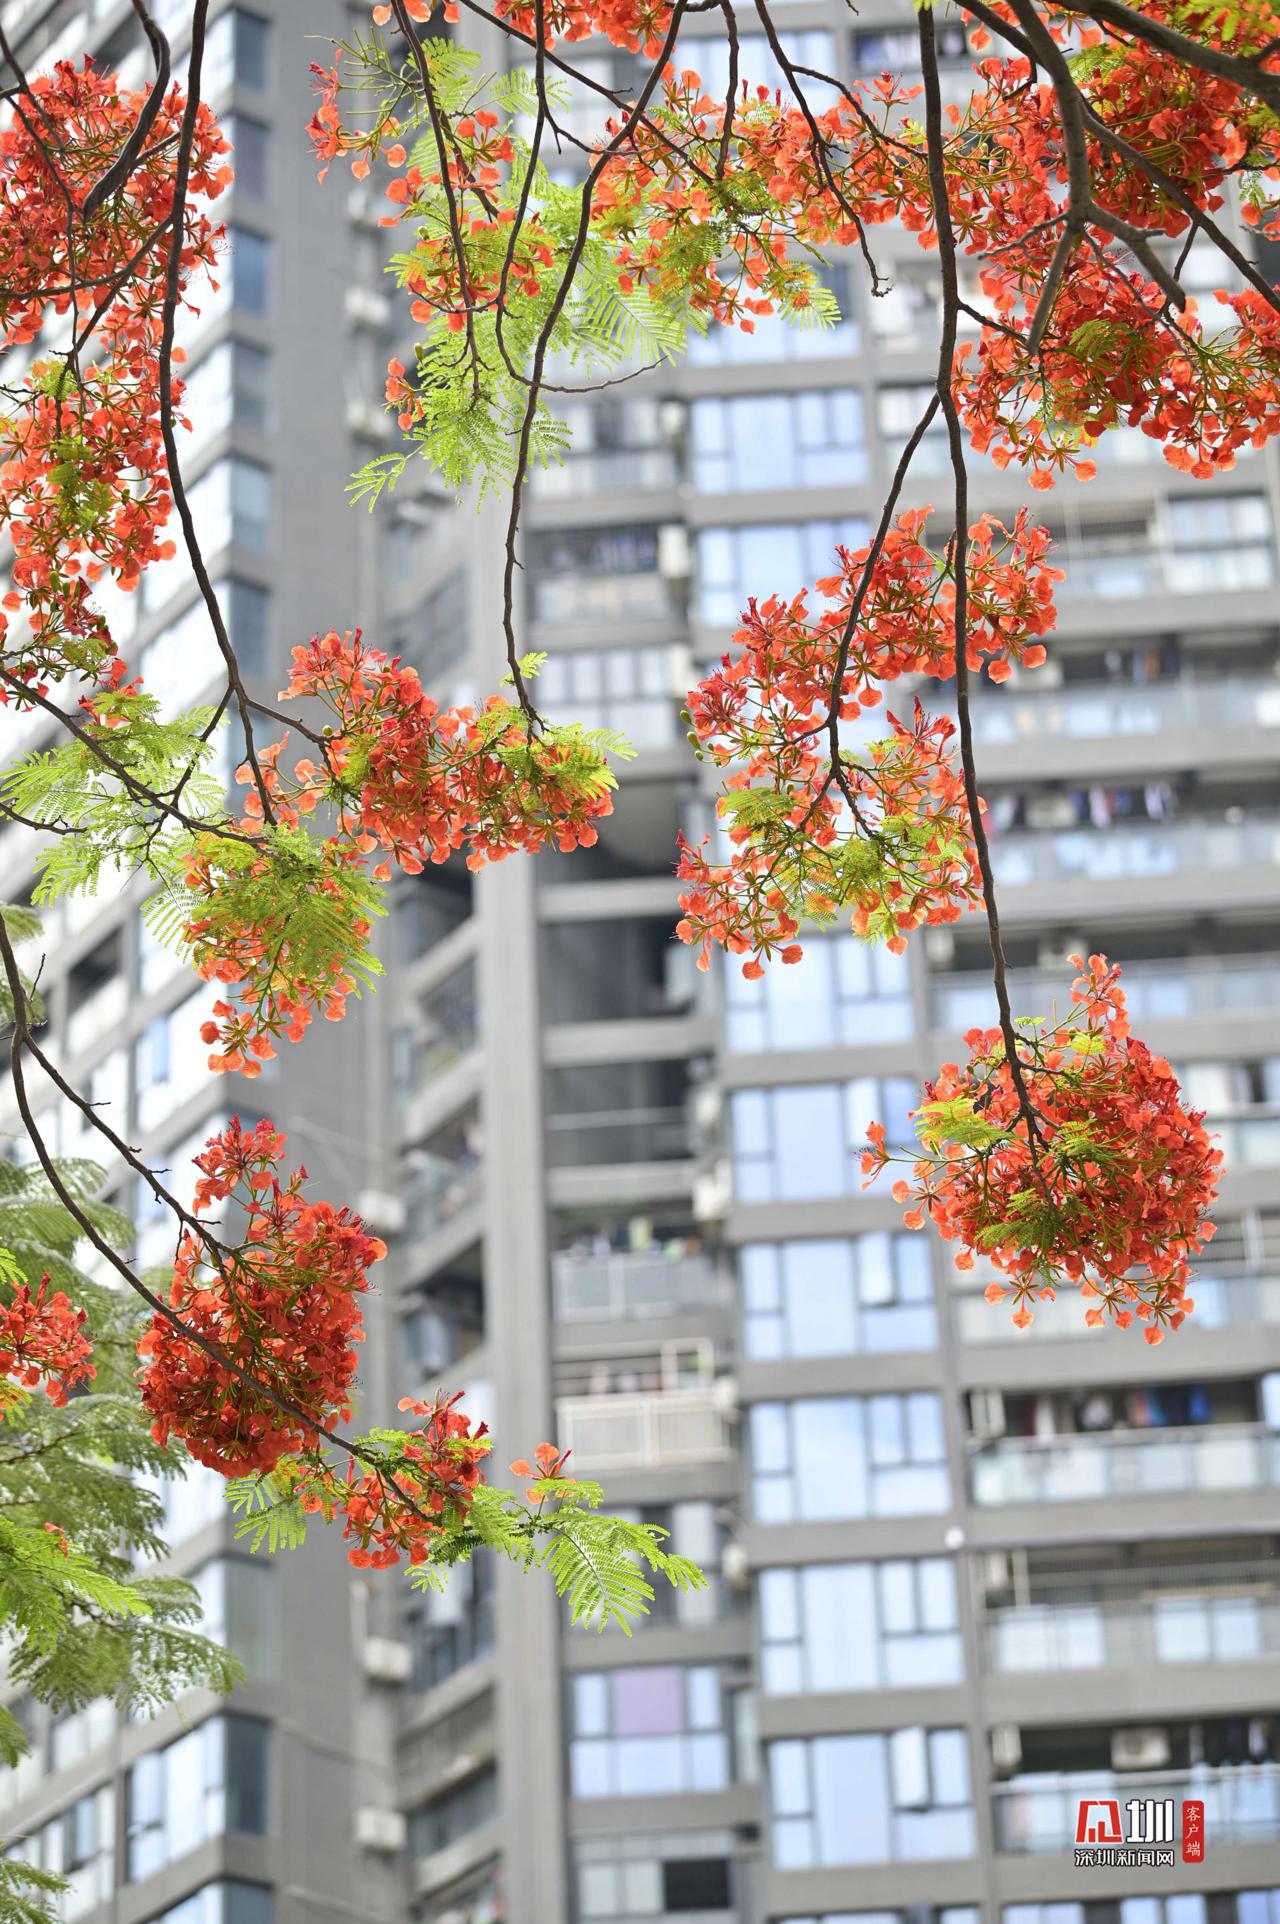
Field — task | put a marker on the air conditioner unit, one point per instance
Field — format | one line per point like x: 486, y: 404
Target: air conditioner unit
x: 712, y: 1192
x: 1057, y: 954
x: 366, y: 307
x: 708, y: 1107
x: 680, y: 669
x: 380, y: 1830
x: 367, y: 418
x: 674, y: 561
x: 1140, y: 1749
x: 1006, y: 1747
x: 382, y: 1211
x: 986, y: 1415
x: 994, y: 1571
x: 735, y: 1566
x: 724, y: 1394
x: 386, y: 1660
x: 940, y: 947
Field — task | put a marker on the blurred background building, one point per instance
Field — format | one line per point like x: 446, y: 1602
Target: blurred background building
x: 962, y: 1576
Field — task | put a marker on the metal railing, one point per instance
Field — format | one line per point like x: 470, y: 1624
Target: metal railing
x: 1221, y: 1302
x: 1248, y: 1142
x: 1241, y: 1803
x: 1107, y: 709
x: 653, y: 1429
x: 1154, y: 991
x: 634, y: 1283
x: 619, y: 1135
x: 1211, y: 1628
x: 1128, y: 849
x: 437, y: 1190
x: 1076, y: 1469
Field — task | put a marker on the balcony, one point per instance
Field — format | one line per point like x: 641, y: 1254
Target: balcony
x: 437, y: 1189
x: 592, y: 1137
x: 1223, y: 1301
x: 1137, y: 850
x: 444, y: 1027
x: 654, y: 1429
x: 1155, y: 991
x: 1248, y: 1142
x: 1125, y: 1463
x: 1095, y: 1620
x: 1038, y: 1814
x: 634, y: 1284
x: 1100, y: 711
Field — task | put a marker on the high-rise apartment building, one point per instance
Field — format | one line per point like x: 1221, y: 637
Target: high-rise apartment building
x: 963, y: 1577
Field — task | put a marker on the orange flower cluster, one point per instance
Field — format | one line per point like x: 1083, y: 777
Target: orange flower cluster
x: 246, y: 935
x: 42, y: 1339
x: 887, y: 836
x: 258, y: 1358
x: 637, y: 25
x: 407, y: 778
x: 83, y: 487
x: 421, y: 782
x: 436, y: 1474
x: 1108, y: 1189
x: 720, y: 248
x: 1116, y: 351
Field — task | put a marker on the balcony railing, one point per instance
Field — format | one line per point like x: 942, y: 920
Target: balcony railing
x: 1222, y: 1302
x: 619, y: 1135
x: 1076, y: 1469
x: 1138, y: 850
x: 604, y: 470
x: 1211, y: 1628
x: 655, y: 1429
x: 437, y: 1191
x: 1248, y: 1142
x: 1154, y: 991
x: 1102, y: 709
x: 627, y: 1283
x: 1241, y: 1803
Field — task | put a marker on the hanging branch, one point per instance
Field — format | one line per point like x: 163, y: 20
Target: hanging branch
x: 960, y: 540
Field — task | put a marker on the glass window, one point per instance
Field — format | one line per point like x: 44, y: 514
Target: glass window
x: 250, y: 149
x: 906, y: 1610
x: 803, y: 1140
x: 212, y: 1780
x: 1216, y: 542
x: 231, y: 1902
x: 633, y: 689
x: 237, y: 53
x: 824, y: 1457
x: 842, y: 990
x: 183, y: 660
x: 248, y: 266
x: 230, y: 384
x: 653, y: 1730
x: 588, y: 574
x: 742, y: 442
x: 837, y: 1296
x: 452, y: 1627
x: 772, y: 558
x: 238, y: 1598
x: 637, y: 1876
x: 76, y: 1733
x: 777, y: 339
x: 454, y: 1815
x: 870, y: 1799
x: 246, y: 610
x: 899, y: 411
x: 79, y: 1844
